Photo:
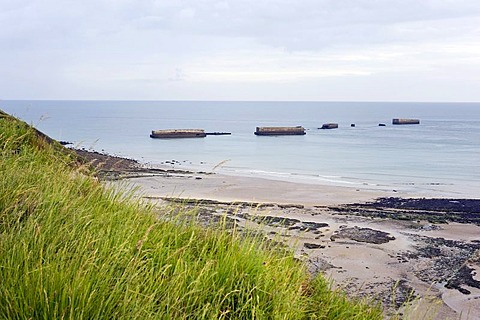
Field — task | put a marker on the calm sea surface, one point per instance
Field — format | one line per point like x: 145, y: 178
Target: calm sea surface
x: 439, y: 156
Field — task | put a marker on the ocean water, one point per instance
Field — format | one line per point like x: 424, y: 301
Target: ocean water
x: 441, y: 156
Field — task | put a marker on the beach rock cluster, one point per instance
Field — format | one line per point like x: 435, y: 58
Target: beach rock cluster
x: 464, y: 277
x: 433, y: 210
x: 445, y: 261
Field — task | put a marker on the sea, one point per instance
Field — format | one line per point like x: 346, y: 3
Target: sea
x: 438, y: 157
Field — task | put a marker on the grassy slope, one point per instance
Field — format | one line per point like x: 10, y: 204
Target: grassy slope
x: 69, y: 248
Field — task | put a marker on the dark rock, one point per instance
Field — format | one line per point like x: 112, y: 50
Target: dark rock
x: 399, y: 294
x: 363, y: 235
x: 289, y: 205
x: 463, y: 276
x: 434, y: 210
x: 276, y: 221
x: 312, y: 226
x: 317, y: 264
x: 448, y: 259
x: 313, y: 246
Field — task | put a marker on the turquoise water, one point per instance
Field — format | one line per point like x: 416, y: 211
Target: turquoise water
x: 442, y: 154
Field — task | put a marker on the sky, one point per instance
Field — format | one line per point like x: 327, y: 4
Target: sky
x: 275, y: 50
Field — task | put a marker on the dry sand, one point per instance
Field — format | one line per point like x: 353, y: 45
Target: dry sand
x: 388, y: 271
x: 254, y: 189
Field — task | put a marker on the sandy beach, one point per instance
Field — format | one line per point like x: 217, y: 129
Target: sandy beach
x: 230, y: 188
x: 362, y: 249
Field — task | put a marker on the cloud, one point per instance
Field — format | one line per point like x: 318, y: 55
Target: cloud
x: 103, y: 49
x: 179, y: 75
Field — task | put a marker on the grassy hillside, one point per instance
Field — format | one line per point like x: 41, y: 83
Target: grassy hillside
x: 69, y: 248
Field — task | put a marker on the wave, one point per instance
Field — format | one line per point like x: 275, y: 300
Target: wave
x: 292, y: 176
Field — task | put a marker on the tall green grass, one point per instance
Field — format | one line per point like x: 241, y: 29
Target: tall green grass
x: 72, y: 249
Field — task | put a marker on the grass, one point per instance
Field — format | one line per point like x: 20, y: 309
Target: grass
x: 72, y: 249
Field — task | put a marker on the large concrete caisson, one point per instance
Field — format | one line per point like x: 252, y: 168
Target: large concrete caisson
x: 405, y: 121
x: 178, y: 133
x: 279, y: 131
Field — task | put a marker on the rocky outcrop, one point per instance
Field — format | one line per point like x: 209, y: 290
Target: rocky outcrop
x: 433, y: 210
x: 362, y: 235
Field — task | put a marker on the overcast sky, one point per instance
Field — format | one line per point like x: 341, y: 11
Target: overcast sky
x: 324, y: 50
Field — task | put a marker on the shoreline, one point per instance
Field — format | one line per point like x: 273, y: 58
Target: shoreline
x: 435, y: 188
x: 339, y: 231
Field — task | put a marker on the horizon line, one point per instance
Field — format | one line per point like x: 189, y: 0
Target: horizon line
x: 272, y: 101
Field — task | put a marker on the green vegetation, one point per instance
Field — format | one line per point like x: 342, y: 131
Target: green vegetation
x: 70, y: 248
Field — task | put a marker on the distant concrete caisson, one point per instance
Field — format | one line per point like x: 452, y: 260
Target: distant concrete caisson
x: 178, y: 133
x: 329, y: 126
x: 280, y: 131
x: 405, y: 121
